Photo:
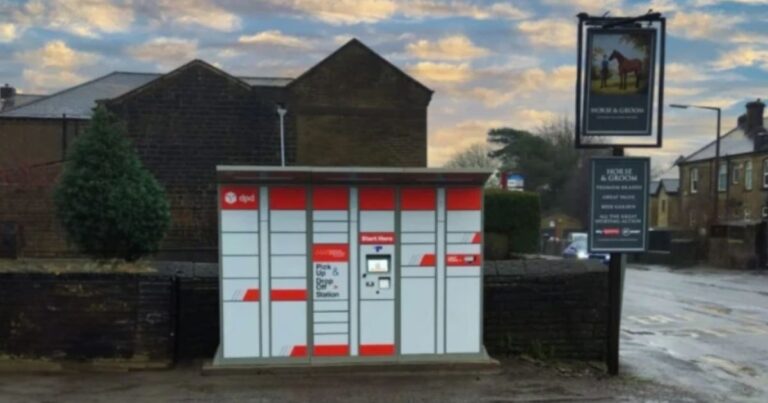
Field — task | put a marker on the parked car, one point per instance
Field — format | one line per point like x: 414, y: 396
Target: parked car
x: 578, y: 250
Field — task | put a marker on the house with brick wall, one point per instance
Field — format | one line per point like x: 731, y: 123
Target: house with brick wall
x: 737, y: 189
x: 353, y: 108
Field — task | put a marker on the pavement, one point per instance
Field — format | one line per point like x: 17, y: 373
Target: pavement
x: 703, y: 330
x: 520, y: 380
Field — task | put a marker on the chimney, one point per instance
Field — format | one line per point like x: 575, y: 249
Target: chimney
x: 754, y: 120
x: 7, y: 92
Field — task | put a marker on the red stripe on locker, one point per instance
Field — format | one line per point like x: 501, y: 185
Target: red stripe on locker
x: 377, y: 238
x: 330, y: 198
x: 427, y: 260
x: 417, y: 199
x: 477, y: 238
x: 330, y: 252
x: 288, y: 295
x: 377, y: 349
x: 251, y: 294
x: 464, y: 198
x: 287, y: 198
x: 330, y: 350
x: 377, y: 199
x: 299, y: 351
x: 462, y: 260
x: 239, y: 198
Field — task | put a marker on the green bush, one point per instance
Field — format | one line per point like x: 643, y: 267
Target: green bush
x: 516, y: 214
x: 108, y: 203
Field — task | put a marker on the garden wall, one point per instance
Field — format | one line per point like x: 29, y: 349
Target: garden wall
x: 548, y: 308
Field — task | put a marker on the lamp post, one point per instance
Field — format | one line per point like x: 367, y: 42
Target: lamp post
x: 717, y: 153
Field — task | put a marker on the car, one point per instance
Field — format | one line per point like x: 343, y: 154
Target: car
x: 578, y: 250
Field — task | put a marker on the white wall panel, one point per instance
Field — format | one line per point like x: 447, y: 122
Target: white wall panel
x: 241, y: 330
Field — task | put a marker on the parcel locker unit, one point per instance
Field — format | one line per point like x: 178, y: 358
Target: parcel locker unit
x: 349, y: 264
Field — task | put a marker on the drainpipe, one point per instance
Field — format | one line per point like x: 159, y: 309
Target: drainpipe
x: 281, y: 110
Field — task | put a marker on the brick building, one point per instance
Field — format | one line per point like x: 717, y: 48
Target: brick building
x: 665, y: 204
x: 736, y: 235
x: 353, y: 108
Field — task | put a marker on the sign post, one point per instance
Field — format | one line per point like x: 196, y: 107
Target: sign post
x: 619, y: 78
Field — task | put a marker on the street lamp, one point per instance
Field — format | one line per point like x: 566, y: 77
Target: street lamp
x: 717, y: 152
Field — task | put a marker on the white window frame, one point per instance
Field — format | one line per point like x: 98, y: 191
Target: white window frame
x: 765, y: 173
x: 736, y: 173
x: 722, y: 177
x: 694, y: 180
x: 748, y: 175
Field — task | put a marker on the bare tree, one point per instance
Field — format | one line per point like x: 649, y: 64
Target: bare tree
x: 476, y: 156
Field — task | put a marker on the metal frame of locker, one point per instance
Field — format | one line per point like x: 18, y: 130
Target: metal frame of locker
x: 263, y: 179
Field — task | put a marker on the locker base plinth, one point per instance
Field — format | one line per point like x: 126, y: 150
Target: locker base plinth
x: 418, y: 364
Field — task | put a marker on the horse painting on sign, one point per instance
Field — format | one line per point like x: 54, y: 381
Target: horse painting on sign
x: 620, y: 63
x: 627, y: 66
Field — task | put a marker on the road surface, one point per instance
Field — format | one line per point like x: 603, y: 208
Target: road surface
x: 703, y: 330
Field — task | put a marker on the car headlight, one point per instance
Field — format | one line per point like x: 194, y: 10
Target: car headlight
x: 582, y: 255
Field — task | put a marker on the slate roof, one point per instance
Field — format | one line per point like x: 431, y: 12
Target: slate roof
x: 670, y: 185
x: 77, y: 102
x: 19, y: 100
x: 734, y: 142
x: 653, y: 188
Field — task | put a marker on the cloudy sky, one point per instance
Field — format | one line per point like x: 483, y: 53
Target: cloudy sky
x: 491, y: 63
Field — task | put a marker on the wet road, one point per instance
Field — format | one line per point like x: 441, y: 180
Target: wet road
x: 703, y: 330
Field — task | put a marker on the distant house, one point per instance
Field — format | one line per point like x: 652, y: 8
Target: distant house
x: 741, y: 181
x: 354, y: 108
x: 737, y: 188
x: 666, y: 203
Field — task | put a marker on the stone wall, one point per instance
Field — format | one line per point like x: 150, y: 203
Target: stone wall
x: 185, y: 124
x: 547, y: 308
x: 356, y: 109
x: 88, y: 316
x: 26, y: 203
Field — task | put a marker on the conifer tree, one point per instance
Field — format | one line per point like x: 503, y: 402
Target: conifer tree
x: 108, y: 203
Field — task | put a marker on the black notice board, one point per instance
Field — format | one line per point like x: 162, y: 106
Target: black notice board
x: 618, y: 204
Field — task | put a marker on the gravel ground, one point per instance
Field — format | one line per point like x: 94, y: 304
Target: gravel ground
x: 519, y: 380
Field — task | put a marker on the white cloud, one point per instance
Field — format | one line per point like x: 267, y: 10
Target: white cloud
x: 164, y: 52
x: 8, y: 32
x: 434, y: 72
x: 274, y: 38
x: 56, y: 54
x: 342, y: 12
x: 455, y: 8
x: 88, y: 18
x: 446, y: 141
x: 703, y: 25
x: 744, y: 56
x: 197, y: 12
x: 490, y: 97
x: 454, y: 47
x: 530, y: 118
x: 550, y: 32
x: 47, y: 80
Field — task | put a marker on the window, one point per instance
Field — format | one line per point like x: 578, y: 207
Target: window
x: 736, y: 173
x: 765, y: 173
x: 722, y: 177
x: 748, y: 175
x: 695, y: 179
x: 663, y: 206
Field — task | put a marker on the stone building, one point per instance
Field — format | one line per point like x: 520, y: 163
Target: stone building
x: 354, y: 108
x: 739, y: 189
x: 665, y: 204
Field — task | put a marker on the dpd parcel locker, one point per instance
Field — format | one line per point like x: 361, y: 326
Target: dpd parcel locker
x: 349, y: 264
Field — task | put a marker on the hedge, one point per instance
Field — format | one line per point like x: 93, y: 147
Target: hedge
x: 514, y: 215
